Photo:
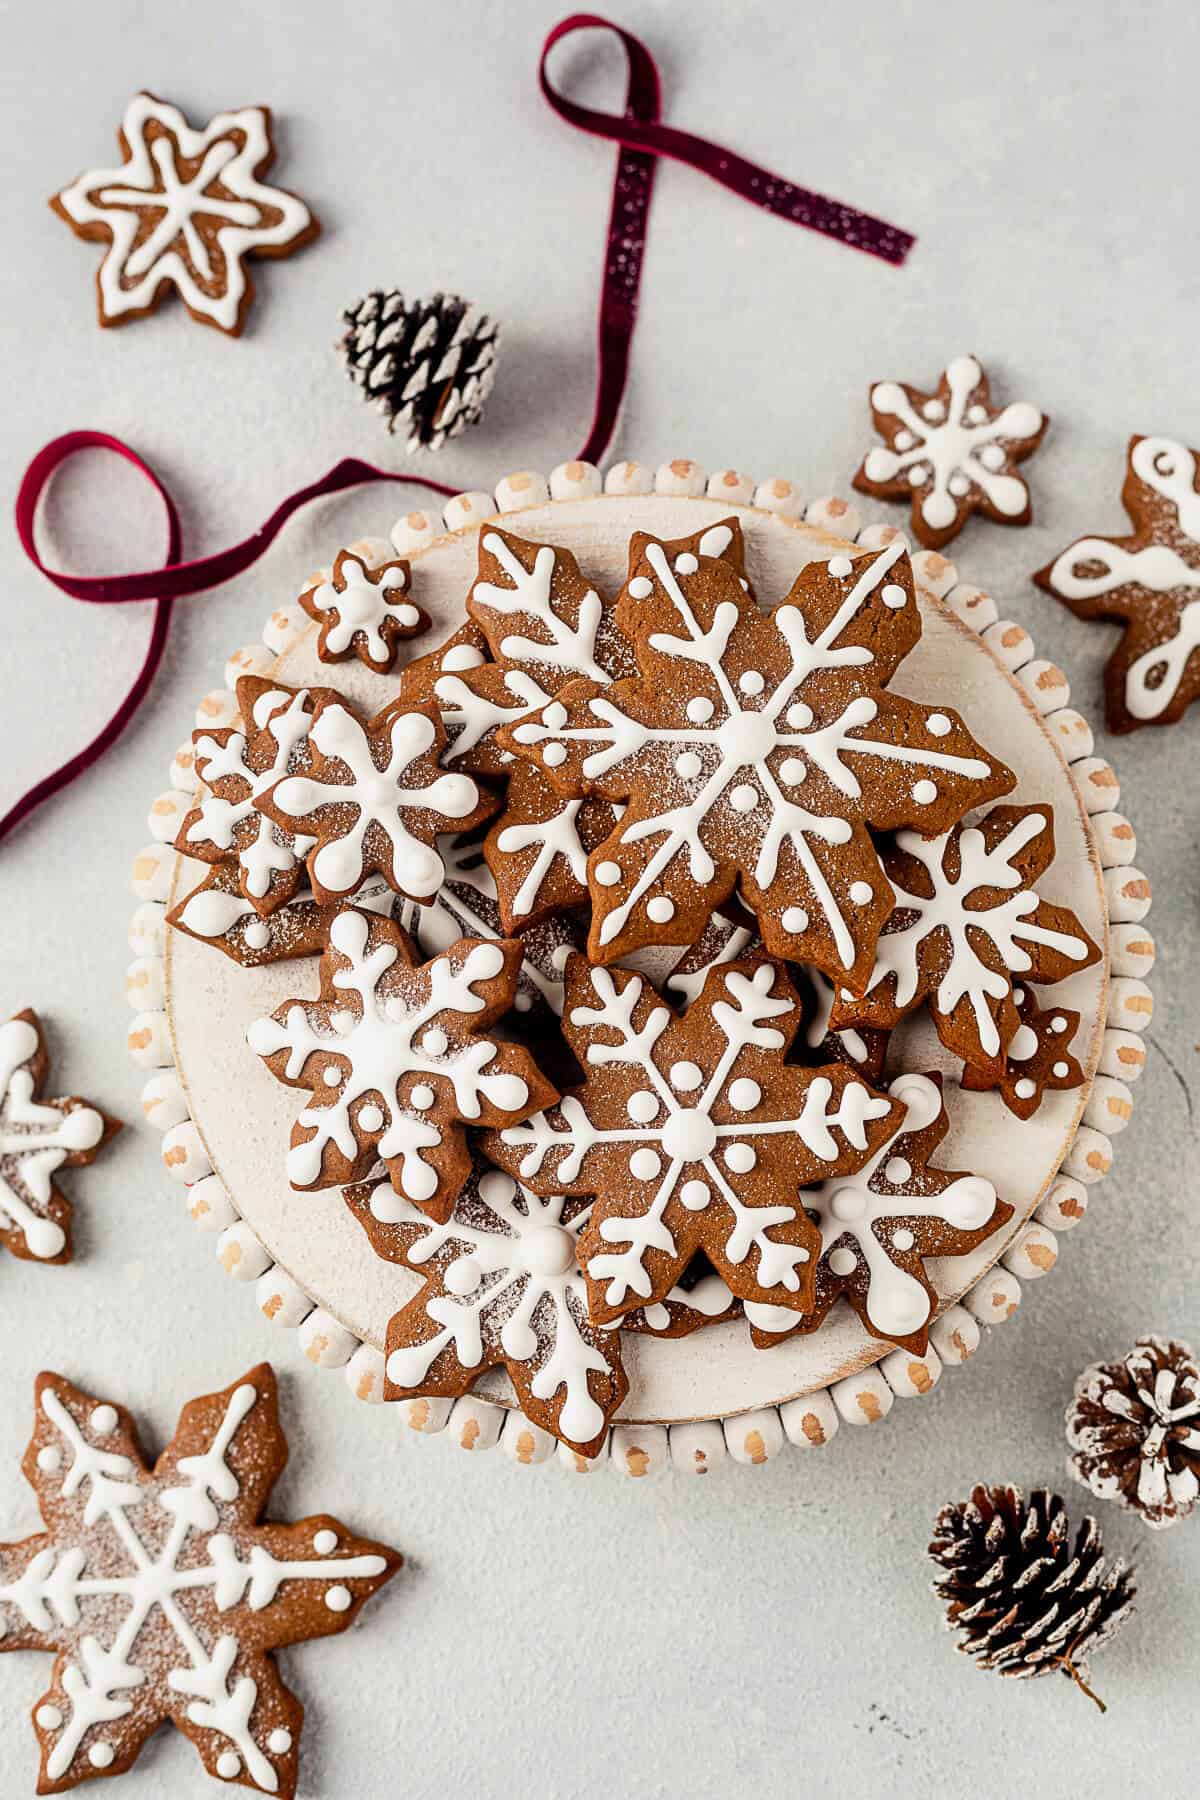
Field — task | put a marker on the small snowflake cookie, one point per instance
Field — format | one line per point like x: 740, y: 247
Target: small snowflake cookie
x: 37, y: 1138
x: 184, y: 209
x: 162, y: 1591
x: 398, y: 1058
x: 1148, y: 582
x: 363, y: 611
x: 952, y: 452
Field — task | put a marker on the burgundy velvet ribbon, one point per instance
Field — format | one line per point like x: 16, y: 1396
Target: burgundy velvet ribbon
x: 642, y: 139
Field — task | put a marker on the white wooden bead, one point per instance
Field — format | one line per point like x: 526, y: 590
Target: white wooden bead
x: 863, y: 1399
x: 629, y: 478
x: 581, y: 1465
x: 148, y: 929
x: 638, y: 1450
x: 1064, y: 1206
x: 1130, y: 1004
x: 1090, y: 1157
x: 144, y: 983
x: 910, y: 1376
x: 465, y: 511
x: 1110, y: 1105
x: 1097, y: 782
x: 575, y: 481
x: 182, y: 773
x: 364, y: 1374
x: 995, y: 1298
x: 524, y: 487
x: 1123, y: 1054
x: 730, y: 486
x: 1132, y: 948
x: 1045, y: 683
x: 1010, y: 642
x: 1128, y: 894
x: 878, y: 536
x: 934, y: 572
x: 425, y: 1414
x: 413, y: 531
x: 1032, y: 1254
x: 837, y: 516
x: 324, y: 1341
x: 166, y: 815
x: 778, y: 495
x: 251, y: 659
x: 972, y: 605
x: 475, y: 1424
x: 810, y: 1421
x: 285, y: 625
x: 754, y: 1437
x: 524, y: 1442
x: 183, y: 1153
x: 209, y: 1205
x: 149, y: 1042
x: 680, y: 477
x: 696, y: 1446
x: 216, y: 710
x: 281, y: 1299
x: 955, y: 1335
x: 150, y: 875
x: 1116, y: 842
x: 163, y: 1101
x: 1073, y: 735
x: 240, y: 1254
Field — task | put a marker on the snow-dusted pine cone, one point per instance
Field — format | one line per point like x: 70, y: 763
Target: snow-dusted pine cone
x: 428, y: 365
x: 1135, y: 1429
x: 1026, y: 1601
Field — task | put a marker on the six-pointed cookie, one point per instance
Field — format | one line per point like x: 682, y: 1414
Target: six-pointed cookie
x: 364, y: 611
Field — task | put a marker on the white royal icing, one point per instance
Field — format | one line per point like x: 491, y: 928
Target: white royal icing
x: 363, y: 605
x: 570, y: 649
x: 268, y: 853
x: 36, y: 1138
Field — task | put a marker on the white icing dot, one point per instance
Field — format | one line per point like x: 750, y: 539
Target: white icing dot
x: 752, y: 681
x: 101, y: 1755
x: 792, y: 770
x: 660, y: 909
x: 700, y: 710
x: 644, y: 1164
x: 1058, y: 1023
x: 897, y: 1170
x: 903, y: 1239
x: 1024, y: 1044
x: 435, y: 1042
x: 685, y: 1076
x: 744, y: 1093
x: 422, y: 1097
x: 686, y: 564
x: 958, y: 485
x: 463, y: 1276
x: 640, y: 588
x: 1025, y: 1089
x: 904, y: 440
x: 694, y: 1195
x: 799, y: 715
x: 49, y: 1459
x: 933, y: 410
x: 523, y: 1001
x: 924, y: 793
x: 279, y: 1742
x: 894, y: 596
x: 607, y: 873
x: 795, y: 919
x: 229, y: 1765
x: 338, y: 1598
x: 839, y: 566
x: 103, y: 1420
x: 49, y: 1717
x: 861, y: 893
x: 975, y: 415
x: 370, y: 1118
x: 331, y: 1075
x: 843, y: 1261
x: 919, y: 474
x: 325, y: 1543
x: 554, y: 754
x: 1018, y: 996
x: 937, y: 724
x: 256, y: 935
x: 744, y: 797
x: 992, y: 457
x: 1060, y: 1070
x: 642, y: 1106
x: 741, y: 1158
x: 688, y: 764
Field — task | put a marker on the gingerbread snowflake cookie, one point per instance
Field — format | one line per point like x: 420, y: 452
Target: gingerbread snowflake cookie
x: 693, y: 1133
x: 184, y: 209
x: 952, y: 452
x: 969, y: 926
x: 162, y: 1592
x: 398, y: 1057
x: 758, y: 751
x: 38, y: 1137
x: 1148, y: 582
x: 502, y: 1287
x: 364, y: 611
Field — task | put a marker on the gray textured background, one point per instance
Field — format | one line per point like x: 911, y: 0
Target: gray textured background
x: 760, y: 1631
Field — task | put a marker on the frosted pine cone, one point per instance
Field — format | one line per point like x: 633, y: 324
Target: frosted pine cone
x: 1135, y: 1429
x: 428, y: 365
x: 1025, y: 1600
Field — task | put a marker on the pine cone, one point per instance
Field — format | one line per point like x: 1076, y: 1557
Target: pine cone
x: 428, y: 365
x: 1135, y: 1429
x: 1025, y: 1601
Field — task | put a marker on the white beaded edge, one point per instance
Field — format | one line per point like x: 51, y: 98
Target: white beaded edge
x: 810, y: 1421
